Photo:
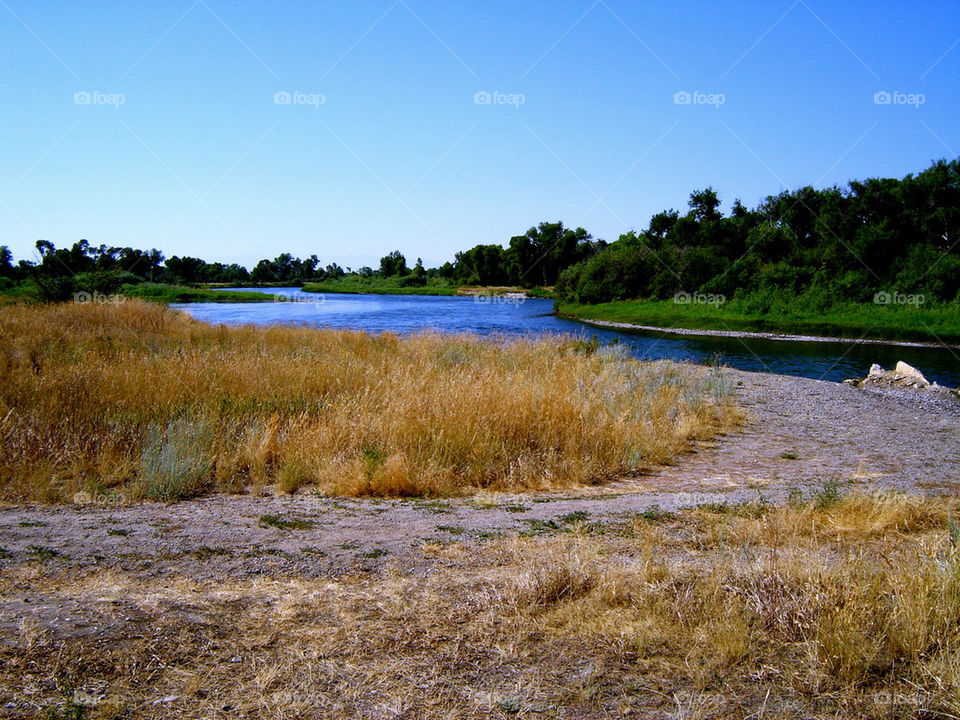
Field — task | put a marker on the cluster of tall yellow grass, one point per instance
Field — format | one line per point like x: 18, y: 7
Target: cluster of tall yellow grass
x: 142, y: 398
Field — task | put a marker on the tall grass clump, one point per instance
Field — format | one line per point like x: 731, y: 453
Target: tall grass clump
x: 144, y: 398
x: 176, y: 461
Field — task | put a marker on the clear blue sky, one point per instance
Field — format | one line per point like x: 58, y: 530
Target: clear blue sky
x: 199, y: 159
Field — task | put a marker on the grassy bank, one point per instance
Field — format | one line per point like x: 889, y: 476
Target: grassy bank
x: 826, y: 608
x: 354, y: 284
x: 157, y: 292
x: 396, y: 286
x: 929, y: 323
x: 136, y: 396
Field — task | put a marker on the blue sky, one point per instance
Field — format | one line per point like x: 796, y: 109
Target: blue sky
x: 160, y: 124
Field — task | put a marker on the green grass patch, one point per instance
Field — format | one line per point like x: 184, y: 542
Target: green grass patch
x: 285, y: 523
x: 932, y: 322
x: 157, y: 292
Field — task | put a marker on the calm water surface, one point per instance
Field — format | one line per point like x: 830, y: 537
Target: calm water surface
x: 504, y: 316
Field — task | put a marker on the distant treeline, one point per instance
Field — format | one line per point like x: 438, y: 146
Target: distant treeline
x: 818, y: 247
x: 535, y: 258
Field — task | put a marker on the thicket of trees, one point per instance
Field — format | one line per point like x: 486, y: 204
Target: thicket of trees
x: 813, y: 246
x: 817, y: 246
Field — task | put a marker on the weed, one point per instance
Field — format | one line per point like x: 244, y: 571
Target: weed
x: 42, y: 553
x: 204, y: 552
x: 286, y: 523
x: 374, y: 554
x: 828, y: 495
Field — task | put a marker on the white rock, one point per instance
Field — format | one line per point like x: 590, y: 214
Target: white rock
x: 908, y: 371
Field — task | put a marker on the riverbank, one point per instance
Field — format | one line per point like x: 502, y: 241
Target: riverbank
x: 169, y: 294
x: 394, y: 286
x: 801, y: 567
x: 923, y: 327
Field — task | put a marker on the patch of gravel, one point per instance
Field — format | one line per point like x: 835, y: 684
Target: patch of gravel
x: 802, y: 433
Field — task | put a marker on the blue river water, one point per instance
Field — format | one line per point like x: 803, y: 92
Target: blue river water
x: 402, y: 314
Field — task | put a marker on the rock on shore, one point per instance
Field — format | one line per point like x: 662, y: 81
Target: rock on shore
x: 903, y: 376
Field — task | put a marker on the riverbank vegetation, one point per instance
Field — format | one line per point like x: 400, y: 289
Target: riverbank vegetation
x: 132, y: 396
x: 931, y: 322
x: 838, y: 260
x: 825, y: 607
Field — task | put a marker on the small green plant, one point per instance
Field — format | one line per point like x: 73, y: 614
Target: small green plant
x: 203, y: 552
x: 718, y: 508
x: 373, y: 459
x: 795, y: 498
x: 789, y: 456
x: 286, y: 523
x: 510, y: 706
x: 582, y: 346
x: 118, y: 531
x: 32, y: 523
x: 374, y: 554
x: 577, y: 516
x: 828, y: 495
x: 68, y: 710
x: 515, y: 508
x: 452, y: 529
x: 42, y: 553
x: 542, y: 527
x: 654, y: 513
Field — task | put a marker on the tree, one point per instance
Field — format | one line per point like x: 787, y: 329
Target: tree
x: 6, y: 262
x: 393, y: 264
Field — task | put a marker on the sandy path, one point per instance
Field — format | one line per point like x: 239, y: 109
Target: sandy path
x: 802, y: 433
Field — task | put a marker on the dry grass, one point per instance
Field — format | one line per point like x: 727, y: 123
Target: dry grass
x: 785, y: 613
x: 143, y: 400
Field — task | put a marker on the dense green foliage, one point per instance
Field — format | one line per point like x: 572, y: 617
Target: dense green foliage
x: 812, y: 247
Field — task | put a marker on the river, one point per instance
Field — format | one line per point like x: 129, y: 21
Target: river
x: 834, y: 361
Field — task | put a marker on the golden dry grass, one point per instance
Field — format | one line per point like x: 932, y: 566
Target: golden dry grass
x: 141, y: 399
x: 778, y: 613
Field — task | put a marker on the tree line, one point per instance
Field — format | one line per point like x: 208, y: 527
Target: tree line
x: 816, y: 247
x: 813, y: 246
